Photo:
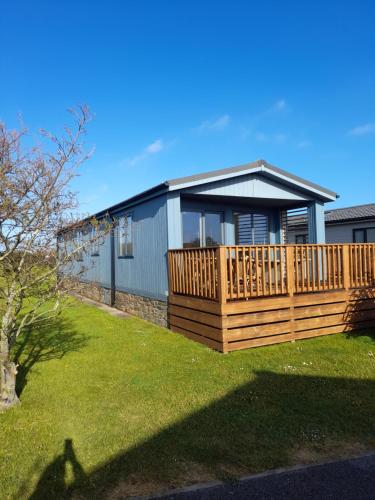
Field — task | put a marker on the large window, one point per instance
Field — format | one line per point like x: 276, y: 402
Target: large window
x: 200, y: 228
x: 364, y: 235
x: 125, y: 237
x: 251, y: 228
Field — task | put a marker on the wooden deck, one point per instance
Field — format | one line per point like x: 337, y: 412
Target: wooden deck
x: 237, y: 297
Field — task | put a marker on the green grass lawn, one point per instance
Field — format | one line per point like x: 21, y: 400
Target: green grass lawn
x: 116, y: 407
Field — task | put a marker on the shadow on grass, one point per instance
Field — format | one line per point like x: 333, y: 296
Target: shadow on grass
x: 51, y: 339
x: 269, y: 422
x: 360, y: 313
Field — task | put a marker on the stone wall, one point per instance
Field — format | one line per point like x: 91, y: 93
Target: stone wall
x: 144, y: 307
x: 92, y: 291
x: 150, y: 309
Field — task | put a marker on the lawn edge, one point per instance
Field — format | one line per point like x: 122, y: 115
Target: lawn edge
x: 281, y: 470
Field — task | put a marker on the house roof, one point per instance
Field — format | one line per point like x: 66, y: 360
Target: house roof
x: 256, y: 166
x: 357, y: 212
x: 260, y: 166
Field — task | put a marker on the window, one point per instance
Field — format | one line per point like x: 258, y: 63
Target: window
x: 364, y: 235
x: 213, y: 229
x: 301, y: 239
x: 251, y: 228
x: 94, y: 242
x: 201, y: 228
x: 125, y: 237
x: 191, y: 229
x: 79, y: 243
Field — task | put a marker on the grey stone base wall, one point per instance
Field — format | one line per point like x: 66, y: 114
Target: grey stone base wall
x: 150, y: 309
x: 146, y: 308
x: 92, y: 291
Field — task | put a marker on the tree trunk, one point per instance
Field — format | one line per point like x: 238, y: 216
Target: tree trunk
x: 8, y: 396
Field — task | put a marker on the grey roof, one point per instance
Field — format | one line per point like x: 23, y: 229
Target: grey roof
x: 358, y: 212
x: 174, y: 183
x: 246, y: 167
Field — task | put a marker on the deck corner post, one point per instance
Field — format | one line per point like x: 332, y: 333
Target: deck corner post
x: 345, y: 267
x: 290, y: 270
x: 222, y: 279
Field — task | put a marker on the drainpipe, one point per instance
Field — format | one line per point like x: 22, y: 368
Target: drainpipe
x: 113, y: 270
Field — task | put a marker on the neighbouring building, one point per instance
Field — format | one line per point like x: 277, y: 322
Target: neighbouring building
x: 354, y: 224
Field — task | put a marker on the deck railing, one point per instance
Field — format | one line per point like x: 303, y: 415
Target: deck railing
x: 243, y: 272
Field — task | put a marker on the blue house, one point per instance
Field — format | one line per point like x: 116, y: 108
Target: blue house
x: 245, y: 205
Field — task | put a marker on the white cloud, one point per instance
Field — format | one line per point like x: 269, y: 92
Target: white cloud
x: 277, y: 107
x: 368, y: 128
x: 280, y: 105
x: 214, y: 125
x: 304, y: 144
x: 151, y: 149
x: 261, y: 137
x: 155, y: 147
x: 279, y: 138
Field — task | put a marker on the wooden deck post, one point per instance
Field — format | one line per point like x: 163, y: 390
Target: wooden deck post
x: 290, y: 270
x: 222, y: 279
x: 345, y: 267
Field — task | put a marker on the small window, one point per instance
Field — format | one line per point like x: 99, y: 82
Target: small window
x: 125, y: 239
x: 364, y: 235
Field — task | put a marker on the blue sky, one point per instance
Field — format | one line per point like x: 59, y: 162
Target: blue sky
x: 183, y: 87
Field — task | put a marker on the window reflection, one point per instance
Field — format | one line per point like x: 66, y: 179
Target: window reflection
x: 201, y: 229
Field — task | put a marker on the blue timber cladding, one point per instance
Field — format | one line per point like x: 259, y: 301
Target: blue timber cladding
x: 99, y: 266
x: 315, y: 223
x: 94, y: 269
x: 145, y: 273
x: 250, y: 185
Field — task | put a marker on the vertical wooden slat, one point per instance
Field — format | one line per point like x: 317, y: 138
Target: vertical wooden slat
x: 237, y: 273
x: 348, y: 262
x: 244, y: 273
x: 301, y: 272
x: 250, y: 270
x: 214, y: 273
x: 208, y: 268
x: 313, y: 276
x: 263, y: 267
x: 282, y: 267
x: 290, y: 266
x: 257, y: 277
x: 230, y: 272
x: 276, y: 260
x: 222, y: 279
x: 268, y: 249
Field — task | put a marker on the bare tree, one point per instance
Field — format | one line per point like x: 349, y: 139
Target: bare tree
x: 36, y: 200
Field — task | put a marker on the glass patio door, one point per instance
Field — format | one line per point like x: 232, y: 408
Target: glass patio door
x: 202, y: 229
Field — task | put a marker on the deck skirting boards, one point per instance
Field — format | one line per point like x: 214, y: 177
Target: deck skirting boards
x: 257, y: 322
